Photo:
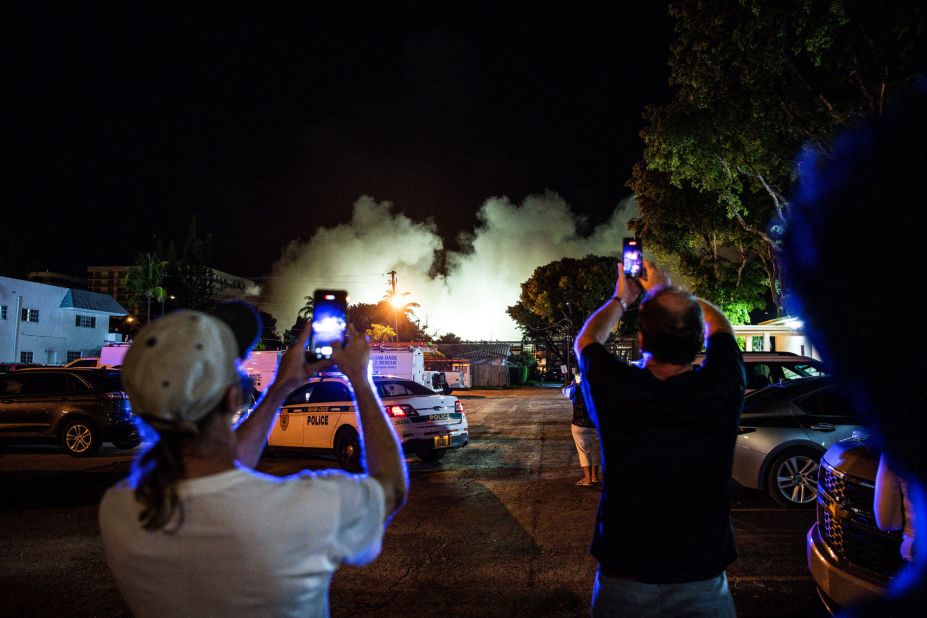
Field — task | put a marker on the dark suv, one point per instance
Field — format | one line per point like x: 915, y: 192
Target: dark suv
x: 78, y: 408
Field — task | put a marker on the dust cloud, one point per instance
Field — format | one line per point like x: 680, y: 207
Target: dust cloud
x: 509, y: 242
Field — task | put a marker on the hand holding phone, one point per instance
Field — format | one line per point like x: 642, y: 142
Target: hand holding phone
x: 632, y: 258
x: 329, y: 320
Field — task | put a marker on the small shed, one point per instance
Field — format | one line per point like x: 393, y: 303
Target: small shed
x: 487, y: 361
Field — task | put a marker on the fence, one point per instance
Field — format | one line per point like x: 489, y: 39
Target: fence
x: 490, y: 375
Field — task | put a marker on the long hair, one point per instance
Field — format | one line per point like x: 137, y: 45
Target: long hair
x: 157, y: 471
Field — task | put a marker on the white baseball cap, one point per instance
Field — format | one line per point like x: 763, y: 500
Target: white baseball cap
x: 180, y: 366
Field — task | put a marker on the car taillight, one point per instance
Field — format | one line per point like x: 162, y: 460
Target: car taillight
x: 401, y: 410
x: 115, y: 395
x: 458, y: 407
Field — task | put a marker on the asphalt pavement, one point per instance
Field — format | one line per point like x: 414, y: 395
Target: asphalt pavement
x: 497, y: 528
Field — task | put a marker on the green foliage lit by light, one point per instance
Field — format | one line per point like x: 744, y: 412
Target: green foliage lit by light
x: 754, y: 82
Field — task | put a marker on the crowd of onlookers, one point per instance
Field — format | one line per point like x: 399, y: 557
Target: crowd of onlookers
x: 196, y: 531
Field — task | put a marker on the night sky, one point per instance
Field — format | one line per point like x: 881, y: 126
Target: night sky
x: 123, y: 122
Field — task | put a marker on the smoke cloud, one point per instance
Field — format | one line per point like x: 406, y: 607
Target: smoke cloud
x: 509, y: 242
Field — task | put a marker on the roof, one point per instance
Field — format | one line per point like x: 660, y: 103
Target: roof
x: 92, y: 301
x: 475, y: 350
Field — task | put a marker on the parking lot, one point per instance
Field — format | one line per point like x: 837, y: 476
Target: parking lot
x: 496, y: 528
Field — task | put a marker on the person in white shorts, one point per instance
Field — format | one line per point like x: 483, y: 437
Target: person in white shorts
x: 195, y: 530
x: 585, y: 436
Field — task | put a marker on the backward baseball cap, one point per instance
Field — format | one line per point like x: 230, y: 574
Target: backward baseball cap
x: 180, y: 366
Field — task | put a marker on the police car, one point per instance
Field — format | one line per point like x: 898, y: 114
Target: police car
x: 321, y: 416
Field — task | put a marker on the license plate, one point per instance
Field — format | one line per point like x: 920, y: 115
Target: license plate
x: 442, y: 441
x: 439, y: 417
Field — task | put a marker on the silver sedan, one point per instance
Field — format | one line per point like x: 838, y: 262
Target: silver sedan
x: 784, y: 431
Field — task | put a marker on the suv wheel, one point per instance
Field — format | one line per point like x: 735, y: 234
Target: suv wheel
x: 80, y: 438
x: 793, y: 478
x: 348, y: 449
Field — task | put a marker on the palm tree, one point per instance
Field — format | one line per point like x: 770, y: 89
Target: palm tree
x: 144, y: 280
x: 306, y: 310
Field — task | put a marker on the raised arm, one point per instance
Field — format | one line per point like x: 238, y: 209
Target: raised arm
x: 382, y: 451
x: 601, y: 323
x: 715, y: 321
x: 251, y: 435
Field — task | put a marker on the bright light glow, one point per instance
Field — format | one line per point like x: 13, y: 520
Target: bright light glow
x: 397, y: 302
x: 325, y: 350
x: 329, y: 325
x: 397, y: 411
x: 795, y: 323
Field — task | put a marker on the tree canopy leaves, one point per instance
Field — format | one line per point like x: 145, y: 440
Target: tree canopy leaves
x: 754, y: 82
x: 558, y: 297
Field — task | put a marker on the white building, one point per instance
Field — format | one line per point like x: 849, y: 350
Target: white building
x: 48, y: 324
x: 780, y: 335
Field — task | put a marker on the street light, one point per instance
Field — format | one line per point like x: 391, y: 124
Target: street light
x: 163, y: 298
x: 398, y: 303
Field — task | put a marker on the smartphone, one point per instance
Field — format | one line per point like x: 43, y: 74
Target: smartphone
x: 329, y: 319
x: 632, y: 257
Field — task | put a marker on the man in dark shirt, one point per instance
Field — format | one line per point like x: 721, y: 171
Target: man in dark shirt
x: 663, y: 534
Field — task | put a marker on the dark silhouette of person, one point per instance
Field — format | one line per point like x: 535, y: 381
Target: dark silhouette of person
x: 853, y: 251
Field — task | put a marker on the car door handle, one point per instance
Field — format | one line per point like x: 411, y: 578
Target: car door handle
x: 823, y: 427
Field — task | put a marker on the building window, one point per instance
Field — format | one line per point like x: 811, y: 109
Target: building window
x: 25, y: 357
x: 73, y: 356
x: 29, y: 315
x: 2, y: 312
x: 85, y: 321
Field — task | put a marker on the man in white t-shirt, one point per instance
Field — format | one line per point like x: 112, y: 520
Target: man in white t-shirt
x: 195, y: 531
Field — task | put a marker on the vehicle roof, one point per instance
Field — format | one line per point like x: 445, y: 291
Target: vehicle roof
x: 376, y: 377
x: 68, y: 369
x: 779, y: 356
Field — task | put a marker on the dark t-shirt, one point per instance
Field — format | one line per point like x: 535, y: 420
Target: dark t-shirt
x: 667, y: 449
x: 580, y: 415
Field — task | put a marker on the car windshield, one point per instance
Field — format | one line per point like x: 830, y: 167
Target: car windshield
x: 793, y: 371
x: 401, y: 388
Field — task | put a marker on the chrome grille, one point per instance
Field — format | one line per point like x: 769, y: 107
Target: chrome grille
x: 847, y: 523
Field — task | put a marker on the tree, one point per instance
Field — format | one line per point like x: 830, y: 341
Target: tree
x: 269, y: 339
x: 381, y: 332
x: 448, y: 338
x: 144, y: 281
x: 364, y: 315
x: 191, y: 276
x: 755, y: 81
x: 307, y: 309
x: 716, y: 257
x: 558, y: 297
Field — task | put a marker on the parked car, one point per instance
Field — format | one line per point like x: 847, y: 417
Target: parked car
x: 784, y: 430
x: 321, y: 416
x: 78, y: 408
x: 765, y: 368
x: 87, y: 361
x: 11, y: 367
x: 849, y: 558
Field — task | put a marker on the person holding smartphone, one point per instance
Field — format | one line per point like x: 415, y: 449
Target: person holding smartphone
x: 194, y: 530
x: 663, y: 534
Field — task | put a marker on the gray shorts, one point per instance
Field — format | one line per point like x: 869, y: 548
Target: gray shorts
x: 616, y: 596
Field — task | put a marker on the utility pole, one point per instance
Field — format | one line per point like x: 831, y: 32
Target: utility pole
x: 392, y: 296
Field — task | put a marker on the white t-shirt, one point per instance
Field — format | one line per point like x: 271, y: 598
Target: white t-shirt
x: 249, y: 544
